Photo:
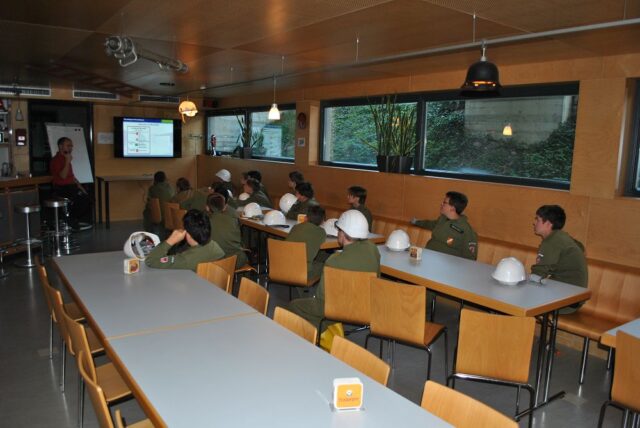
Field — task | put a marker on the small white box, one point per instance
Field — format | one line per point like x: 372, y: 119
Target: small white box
x: 348, y: 393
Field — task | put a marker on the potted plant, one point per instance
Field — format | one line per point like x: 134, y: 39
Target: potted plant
x: 249, y: 140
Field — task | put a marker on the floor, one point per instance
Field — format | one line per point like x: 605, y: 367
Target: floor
x: 29, y: 381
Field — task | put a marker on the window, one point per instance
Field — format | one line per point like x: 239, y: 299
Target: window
x: 226, y: 130
x: 525, y: 136
x: 633, y: 182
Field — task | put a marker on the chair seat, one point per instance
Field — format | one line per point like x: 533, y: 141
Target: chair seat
x: 586, y: 325
x: 74, y: 311
x: 431, y: 332
x: 111, y: 383
x: 95, y: 344
x: 142, y: 424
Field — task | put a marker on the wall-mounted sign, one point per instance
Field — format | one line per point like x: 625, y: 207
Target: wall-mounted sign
x: 21, y: 137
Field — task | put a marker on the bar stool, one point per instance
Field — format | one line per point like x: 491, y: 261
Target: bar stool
x: 28, y: 209
x: 55, y: 204
x: 3, y: 252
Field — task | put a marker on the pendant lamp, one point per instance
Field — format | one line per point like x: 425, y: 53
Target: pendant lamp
x: 274, y: 113
x: 483, y: 78
x: 187, y: 108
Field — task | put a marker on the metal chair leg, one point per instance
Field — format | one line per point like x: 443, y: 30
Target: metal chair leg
x: 602, y: 412
x: 50, y: 337
x: 446, y: 354
x: 610, y: 359
x: 81, y: 401
x: 428, y: 363
x: 585, y: 354
x: 63, y: 361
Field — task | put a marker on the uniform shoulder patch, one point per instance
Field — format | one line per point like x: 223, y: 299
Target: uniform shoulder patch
x: 164, y: 259
x: 456, y: 228
x: 472, y: 247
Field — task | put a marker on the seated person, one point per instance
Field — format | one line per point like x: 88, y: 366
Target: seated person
x: 65, y: 184
x: 560, y: 256
x: 229, y: 210
x: 313, y: 235
x: 225, y: 230
x: 358, y: 254
x: 200, y: 247
x: 356, y: 196
x: 252, y: 187
x: 295, y: 178
x: 162, y: 190
x: 223, y: 179
x: 187, y: 197
x: 451, y: 232
x: 304, y: 194
x: 256, y: 175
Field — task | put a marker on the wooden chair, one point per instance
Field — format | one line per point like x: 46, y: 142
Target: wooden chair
x: 496, y: 349
x: 177, y: 216
x: 296, y: 324
x: 167, y: 208
x: 105, y: 375
x: 215, y: 274
x: 461, y: 410
x: 146, y: 423
x: 626, y: 378
x: 288, y: 264
x: 398, y: 314
x: 347, y: 296
x: 254, y: 295
x: 360, y: 359
x: 155, y: 211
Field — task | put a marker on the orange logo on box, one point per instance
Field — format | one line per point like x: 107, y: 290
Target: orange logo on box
x: 302, y: 218
x: 347, y: 394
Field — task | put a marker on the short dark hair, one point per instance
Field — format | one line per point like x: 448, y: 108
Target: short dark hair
x: 253, y: 184
x: 359, y: 192
x: 305, y: 189
x: 61, y: 140
x: 553, y: 214
x: 296, y: 177
x: 255, y: 174
x: 315, y: 214
x: 197, y: 224
x: 159, y: 177
x: 221, y: 189
x: 216, y: 201
x: 183, y: 184
x: 458, y: 201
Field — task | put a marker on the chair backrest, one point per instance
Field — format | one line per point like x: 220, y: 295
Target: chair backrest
x: 215, y: 275
x: 626, y: 376
x: 55, y: 297
x: 167, y: 207
x: 44, y: 282
x: 460, y: 410
x: 80, y: 344
x: 155, y: 211
x: 287, y: 262
x: 228, y: 264
x: 254, y: 295
x: 360, y: 359
x: 296, y: 324
x: 347, y: 295
x: 178, y: 215
x: 398, y: 310
x: 96, y: 395
x: 495, y: 346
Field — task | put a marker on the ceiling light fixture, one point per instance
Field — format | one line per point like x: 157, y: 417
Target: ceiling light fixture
x: 187, y: 108
x: 507, y: 131
x: 274, y: 113
x: 483, y: 78
x: 125, y: 51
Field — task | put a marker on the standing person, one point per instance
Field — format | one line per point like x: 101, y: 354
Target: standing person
x: 313, y: 236
x: 252, y: 187
x: 357, y: 196
x: 451, y: 232
x: 65, y: 184
x: 225, y: 229
x: 358, y: 254
x: 304, y: 194
x: 295, y: 178
x: 560, y: 256
x: 162, y: 190
x: 200, y: 247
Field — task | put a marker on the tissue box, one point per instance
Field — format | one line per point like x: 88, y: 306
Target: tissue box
x: 347, y: 393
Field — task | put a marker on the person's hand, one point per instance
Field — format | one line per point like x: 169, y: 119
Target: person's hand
x: 176, y: 236
x: 68, y: 156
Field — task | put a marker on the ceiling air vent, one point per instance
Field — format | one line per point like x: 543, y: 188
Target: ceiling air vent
x: 159, y: 99
x: 33, y: 91
x: 94, y: 95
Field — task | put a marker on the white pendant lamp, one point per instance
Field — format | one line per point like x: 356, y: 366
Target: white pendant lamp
x: 274, y: 113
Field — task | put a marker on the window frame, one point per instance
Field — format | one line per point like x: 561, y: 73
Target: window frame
x: 520, y: 91
x: 634, y: 147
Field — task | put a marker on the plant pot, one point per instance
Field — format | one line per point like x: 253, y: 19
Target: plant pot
x: 383, y: 163
x: 400, y: 164
x: 245, y: 153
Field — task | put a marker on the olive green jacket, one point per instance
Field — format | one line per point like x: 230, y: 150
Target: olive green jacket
x: 164, y: 193
x: 188, y: 259
x: 314, y: 236
x: 259, y: 198
x: 300, y: 208
x: 562, y: 258
x: 455, y: 237
x: 225, y: 230
x: 367, y: 214
x: 191, y: 199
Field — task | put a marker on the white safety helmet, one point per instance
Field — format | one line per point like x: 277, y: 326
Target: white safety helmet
x: 509, y: 271
x: 243, y: 196
x: 224, y: 175
x: 398, y: 240
x: 252, y: 210
x: 274, y: 218
x: 286, y: 202
x: 354, y: 224
x: 329, y: 226
x: 140, y: 244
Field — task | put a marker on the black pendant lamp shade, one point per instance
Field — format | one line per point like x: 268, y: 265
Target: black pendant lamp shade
x: 483, y: 79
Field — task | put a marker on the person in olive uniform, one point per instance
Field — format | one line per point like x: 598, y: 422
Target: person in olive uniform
x: 200, y: 247
x: 295, y: 178
x: 223, y: 179
x: 225, y: 229
x: 560, y: 256
x: 357, y: 196
x: 162, y: 190
x: 313, y: 235
x: 252, y: 187
x: 358, y: 254
x: 256, y: 175
x: 187, y: 197
x: 304, y: 194
x: 229, y: 210
x: 451, y: 232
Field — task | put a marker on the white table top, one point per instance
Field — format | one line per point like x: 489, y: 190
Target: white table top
x: 632, y: 328
x: 121, y: 304
x: 471, y: 281
x: 250, y: 372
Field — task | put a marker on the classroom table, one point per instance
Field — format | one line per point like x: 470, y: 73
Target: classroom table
x: 105, y: 180
x: 471, y: 281
x: 632, y: 328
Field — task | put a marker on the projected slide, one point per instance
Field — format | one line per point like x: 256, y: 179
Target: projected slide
x: 147, y: 137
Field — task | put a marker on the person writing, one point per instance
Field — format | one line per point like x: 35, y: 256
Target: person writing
x: 66, y: 185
